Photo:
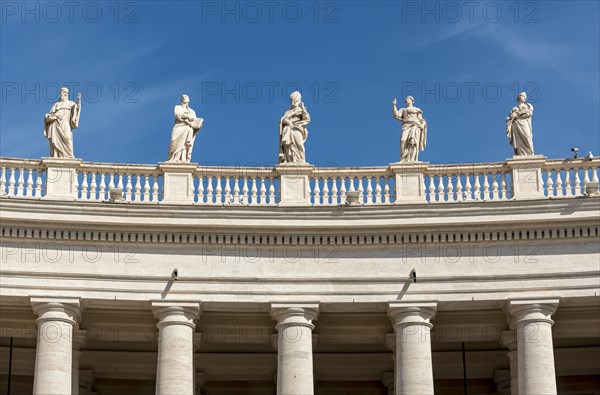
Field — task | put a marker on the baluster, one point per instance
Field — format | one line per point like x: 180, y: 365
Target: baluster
x: 450, y: 188
x: 254, y: 191
x: 326, y: 200
x: 594, y: 175
x: 209, y: 190
x: 263, y: 191
x: 370, y: 190
x: 459, y: 188
x: 155, y: 188
x: 200, y: 189
x: 503, y: 185
x: 227, y: 196
x: 559, y: 183
x: 495, y: 194
x: 586, y: 177
x: 486, y: 186
x: 29, y: 184
x: 145, y: 187
x: 102, y: 188
x: 120, y: 183
x: 272, y: 200
x: 138, y: 187
x: 477, y: 188
x: 468, y: 195
x: 431, y: 189
x: 11, y: 182
x: 549, y: 187
x: 236, y: 190
x: 84, y: 186
x: 245, y: 191
x: 334, y: 191
x: 317, y: 193
x: 440, y: 189
x: 21, y: 182
x: 219, y: 191
x: 128, y: 188
x: 343, y: 190
x: 577, y: 191
x: 93, y: 186
x: 351, y: 181
x: 361, y: 191
x: 38, y: 183
x: 568, y: 190
x: 3, y: 181
x: 111, y: 181
x: 386, y: 190
x: 378, y: 196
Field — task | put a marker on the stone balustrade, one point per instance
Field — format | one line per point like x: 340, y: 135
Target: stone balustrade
x: 532, y: 177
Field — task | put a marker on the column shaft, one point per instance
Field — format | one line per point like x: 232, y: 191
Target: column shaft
x: 294, y: 348
x: 414, y: 368
x: 175, y: 365
x: 54, y: 351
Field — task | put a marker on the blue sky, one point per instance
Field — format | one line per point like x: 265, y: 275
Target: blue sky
x: 463, y: 62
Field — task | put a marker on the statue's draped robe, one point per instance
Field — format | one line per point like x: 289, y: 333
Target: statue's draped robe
x: 292, y: 138
x: 519, y: 130
x: 414, y: 133
x: 60, y: 131
x: 183, y: 135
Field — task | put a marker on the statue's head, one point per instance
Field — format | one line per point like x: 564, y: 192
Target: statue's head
x: 522, y: 97
x: 64, y: 94
x: 409, y: 100
x: 295, y: 98
x: 185, y: 99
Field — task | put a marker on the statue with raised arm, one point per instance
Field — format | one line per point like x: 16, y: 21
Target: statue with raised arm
x: 518, y: 127
x: 414, y: 130
x: 184, y: 132
x: 293, y: 132
x: 59, y: 124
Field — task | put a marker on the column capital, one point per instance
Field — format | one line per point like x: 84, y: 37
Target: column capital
x: 57, y: 309
x: 287, y: 314
x: 412, y: 313
x: 176, y: 313
x: 532, y: 310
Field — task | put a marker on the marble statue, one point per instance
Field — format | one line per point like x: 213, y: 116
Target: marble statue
x: 414, y: 130
x: 184, y: 132
x: 293, y: 132
x: 59, y: 124
x: 518, y: 127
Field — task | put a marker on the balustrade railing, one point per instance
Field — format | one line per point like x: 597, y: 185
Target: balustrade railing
x: 330, y: 185
x: 467, y: 182
x: 138, y: 183
x: 569, y: 177
x: 254, y: 186
x: 168, y: 183
x: 22, y: 178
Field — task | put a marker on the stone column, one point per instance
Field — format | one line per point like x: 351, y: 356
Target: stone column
x: 535, y: 349
x: 509, y: 340
x: 175, y: 366
x: 294, y: 183
x: 54, y: 351
x: 294, y: 347
x: 78, y: 341
x: 414, y: 369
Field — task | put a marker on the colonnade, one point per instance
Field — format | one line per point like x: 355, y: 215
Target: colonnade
x: 529, y: 343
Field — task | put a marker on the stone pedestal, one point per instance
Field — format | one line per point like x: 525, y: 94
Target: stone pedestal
x: 527, y: 176
x: 414, y: 369
x: 410, y: 181
x: 294, y: 184
x: 535, y: 348
x: 509, y: 340
x: 61, y: 178
x: 175, y: 365
x: 294, y: 347
x: 54, y: 351
x: 178, y: 182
